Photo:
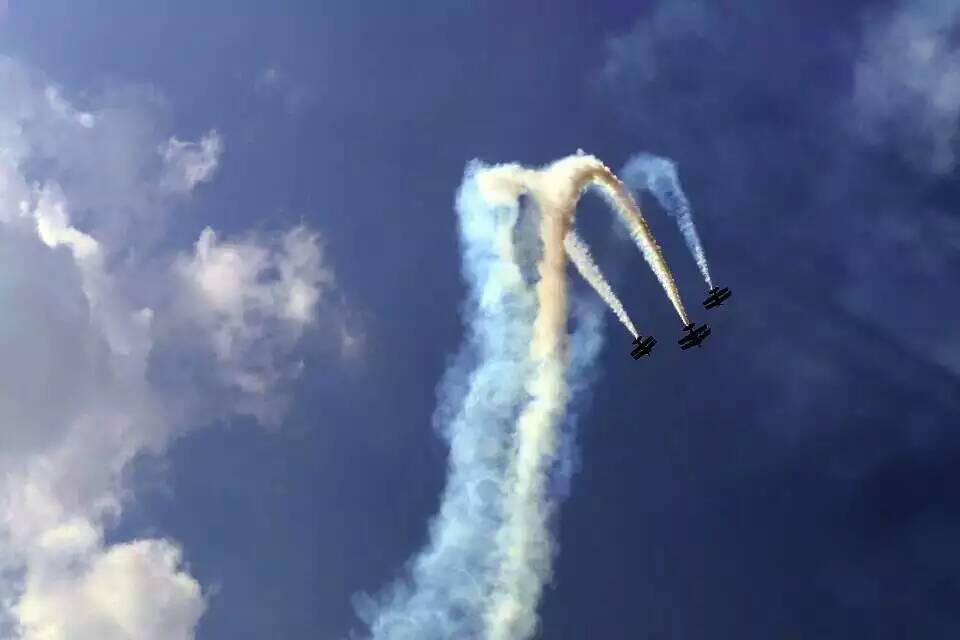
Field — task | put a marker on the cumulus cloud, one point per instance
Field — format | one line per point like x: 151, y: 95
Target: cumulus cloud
x: 132, y: 590
x: 91, y: 343
x: 907, y: 81
x: 190, y: 163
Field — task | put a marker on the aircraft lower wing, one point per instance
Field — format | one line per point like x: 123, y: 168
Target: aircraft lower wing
x: 643, y: 348
x: 695, y: 338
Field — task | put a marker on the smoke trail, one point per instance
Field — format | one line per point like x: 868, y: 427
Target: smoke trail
x: 502, y: 409
x: 524, y: 547
x: 523, y: 544
x: 583, y: 261
x: 449, y: 582
x: 591, y: 172
x: 586, y: 339
x: 619, y: 198
x: 659, y: 176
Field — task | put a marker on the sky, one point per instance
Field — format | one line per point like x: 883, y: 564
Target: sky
x: 232, y: 273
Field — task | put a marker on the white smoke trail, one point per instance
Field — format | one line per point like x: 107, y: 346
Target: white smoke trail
x: 589, y: 171
x: 524, y: 546
x: 523, y: 543
x: 659, y: 176
x: 502, y: 406
x: 449, y: 582
x: 588, y: 269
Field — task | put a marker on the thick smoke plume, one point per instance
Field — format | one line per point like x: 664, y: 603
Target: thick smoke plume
x: 503, y: 404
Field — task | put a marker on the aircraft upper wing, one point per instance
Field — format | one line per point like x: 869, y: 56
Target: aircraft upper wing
x: 643, y: 346
x: 716, y: 297
x: 695, y: 337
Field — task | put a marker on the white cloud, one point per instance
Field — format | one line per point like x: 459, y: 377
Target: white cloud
x: 102, y: 157
x: 62, y: 108
x: 134, y: 590
x: 80, y: 332
x: 253, y: 297
x: 190, y: 163
x: 907, y: 81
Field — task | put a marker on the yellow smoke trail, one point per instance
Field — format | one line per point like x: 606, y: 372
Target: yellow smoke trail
x: 618, y: 197
x: 524, y: 548
x: 504, y: 183
x: 523, y: 540
x: 588, y: 269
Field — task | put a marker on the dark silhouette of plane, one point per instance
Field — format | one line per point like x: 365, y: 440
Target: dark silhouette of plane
x: 716, y: 297
x: 643, y: 346
x: 695, y: 336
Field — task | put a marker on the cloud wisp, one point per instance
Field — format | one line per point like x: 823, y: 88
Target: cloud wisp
x: 188, y: 164
x: 907, y: 82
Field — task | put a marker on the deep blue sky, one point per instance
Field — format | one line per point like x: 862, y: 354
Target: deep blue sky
x: 796, y: 478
